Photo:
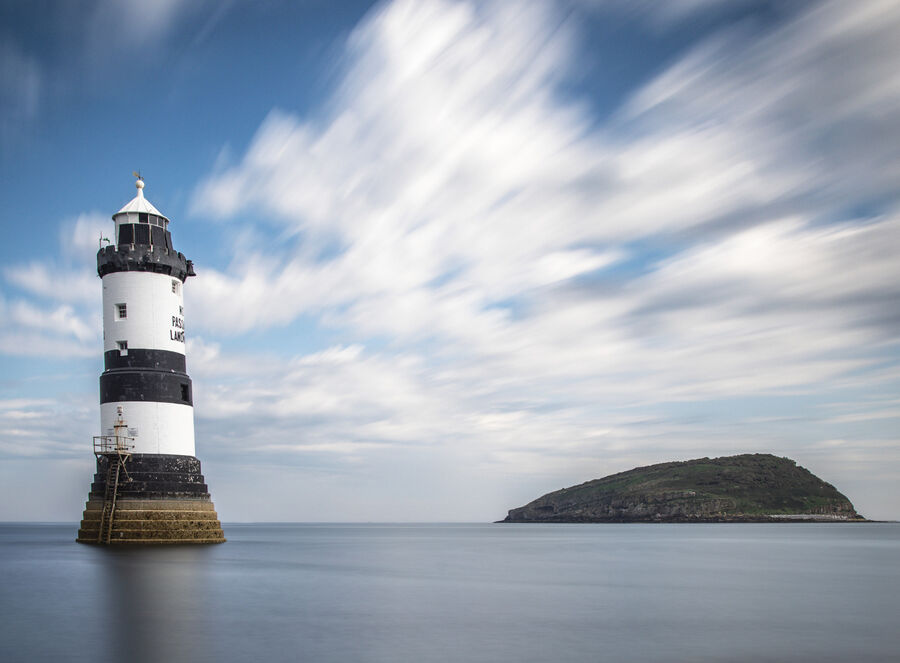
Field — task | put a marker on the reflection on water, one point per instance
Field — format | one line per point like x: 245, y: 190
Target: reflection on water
x: 421, y: 593
x: 155, y: 601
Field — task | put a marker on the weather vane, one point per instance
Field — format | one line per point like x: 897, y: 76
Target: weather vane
x: 138, y: 175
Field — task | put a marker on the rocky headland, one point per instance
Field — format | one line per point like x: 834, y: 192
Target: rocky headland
x: 745, y: 488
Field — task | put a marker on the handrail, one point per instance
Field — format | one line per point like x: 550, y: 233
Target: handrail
x: 112, y: 444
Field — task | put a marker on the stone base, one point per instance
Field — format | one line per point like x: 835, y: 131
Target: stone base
x: 162, y: 500
x: 154, y: 522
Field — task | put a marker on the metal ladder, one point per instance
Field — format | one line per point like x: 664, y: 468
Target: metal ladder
x: 116, y: 449
x: 113, y: 471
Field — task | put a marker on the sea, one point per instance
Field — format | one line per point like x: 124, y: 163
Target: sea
x: 458, y: 592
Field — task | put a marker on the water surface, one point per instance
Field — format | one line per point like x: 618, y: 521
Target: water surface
x: 398, y: 593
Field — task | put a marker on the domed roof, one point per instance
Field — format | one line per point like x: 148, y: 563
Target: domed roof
x: 140, y: 204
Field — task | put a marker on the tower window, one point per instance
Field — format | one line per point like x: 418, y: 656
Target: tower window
x: 123, y: 348
x: 121, y: 311
x: 175, y: 286
x: 185, y: 393
x: 142, y: 233
x: 157, y: 236
x: 126, y: 233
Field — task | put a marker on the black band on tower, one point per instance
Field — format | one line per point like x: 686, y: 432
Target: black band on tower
x: 155, y: 476
x: 138, y: 385
x: 143, y: 258
x: 160, y: 360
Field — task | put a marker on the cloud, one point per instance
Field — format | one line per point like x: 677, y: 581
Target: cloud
x: 450, y: 154
x: 501, y: 283
x: 808, y: 103
x: 61, y: 319
x: 430, y: 166
x: 45, y: 280
x: 71, y: 278
x: 57, y: 312
x: 417, y: 173
x: 483, y: 245
x: 28, y: 428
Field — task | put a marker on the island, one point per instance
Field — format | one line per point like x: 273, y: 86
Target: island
x: 744, y: 488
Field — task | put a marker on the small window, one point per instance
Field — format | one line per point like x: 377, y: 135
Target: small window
x: 126, y: 233
x: 123, y: 348
x: 121, y: 311
x: 142, y: 233
x: 185, y: 393
x: 143, y: 217
x: 175, y: 286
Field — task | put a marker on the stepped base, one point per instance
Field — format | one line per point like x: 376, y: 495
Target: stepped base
x: 163, y: 500
x: 154, y: 522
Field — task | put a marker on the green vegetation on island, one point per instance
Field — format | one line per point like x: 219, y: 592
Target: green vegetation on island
x: 745, y: 488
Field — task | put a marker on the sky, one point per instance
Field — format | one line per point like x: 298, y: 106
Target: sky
x: 454, y: 255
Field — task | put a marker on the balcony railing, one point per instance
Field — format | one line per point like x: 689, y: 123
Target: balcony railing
x: 112, y: 444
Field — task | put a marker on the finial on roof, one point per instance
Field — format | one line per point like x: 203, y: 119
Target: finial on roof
x: 140, y: 182
x: 139, y: 204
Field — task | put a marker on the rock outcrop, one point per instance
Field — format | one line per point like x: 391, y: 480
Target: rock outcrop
x: 745, y: 488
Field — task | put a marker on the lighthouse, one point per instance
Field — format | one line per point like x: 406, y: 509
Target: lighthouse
x: 148, y: 487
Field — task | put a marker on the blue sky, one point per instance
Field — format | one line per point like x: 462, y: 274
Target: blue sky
x: 454, y: 255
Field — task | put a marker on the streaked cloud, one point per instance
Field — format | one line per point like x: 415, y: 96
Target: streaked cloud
x: 489, y: 231
x: 503, y: 283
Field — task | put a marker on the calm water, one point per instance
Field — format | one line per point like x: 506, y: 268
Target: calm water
x: 398, y: 593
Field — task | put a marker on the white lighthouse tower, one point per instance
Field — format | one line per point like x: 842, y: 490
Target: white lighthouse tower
x: 148, y: 487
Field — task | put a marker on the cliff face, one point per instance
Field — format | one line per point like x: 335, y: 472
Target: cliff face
x: 750, y: 488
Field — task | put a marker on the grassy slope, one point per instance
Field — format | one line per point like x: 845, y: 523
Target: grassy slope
x: 753, y: 483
